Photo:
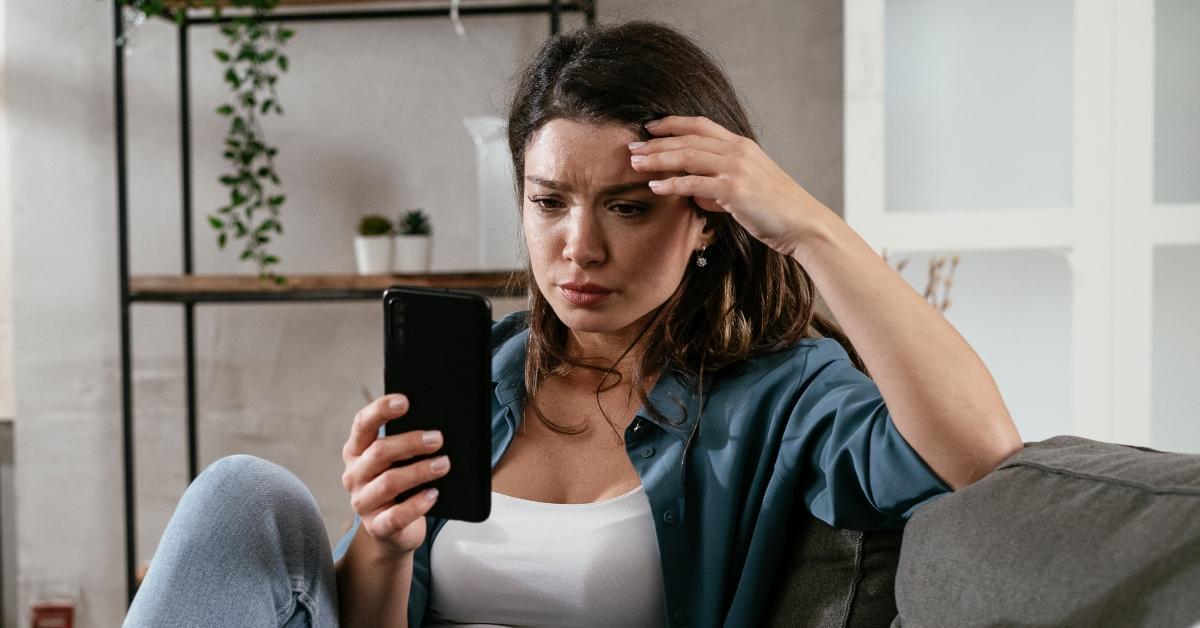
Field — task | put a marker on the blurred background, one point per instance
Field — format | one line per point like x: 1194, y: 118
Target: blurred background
x: 1034, y: 165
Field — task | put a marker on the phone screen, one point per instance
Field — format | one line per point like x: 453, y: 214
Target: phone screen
x: 437, y: 352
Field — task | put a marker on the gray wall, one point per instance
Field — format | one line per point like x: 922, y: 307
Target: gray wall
x: 372, y: 124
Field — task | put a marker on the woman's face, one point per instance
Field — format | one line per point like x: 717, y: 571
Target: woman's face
x: 606, y: 251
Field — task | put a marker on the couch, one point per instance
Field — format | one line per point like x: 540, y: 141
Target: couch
x: 1066, y: 532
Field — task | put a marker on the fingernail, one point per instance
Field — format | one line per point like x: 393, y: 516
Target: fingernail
x: 432, y: 437
x: 431, y: 494
x: 637, y: 159
x: 636, y: 145
x: 651, y: 124
x: 439, y: 463
x: 396, y: 403
x: 654, y: 185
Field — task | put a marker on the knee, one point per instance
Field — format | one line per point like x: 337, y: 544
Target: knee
x: 254, y: 487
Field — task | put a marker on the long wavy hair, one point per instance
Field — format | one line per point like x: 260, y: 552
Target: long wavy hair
x: 748, y: 300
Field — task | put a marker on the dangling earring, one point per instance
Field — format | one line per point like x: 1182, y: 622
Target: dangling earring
x: 701, y: 262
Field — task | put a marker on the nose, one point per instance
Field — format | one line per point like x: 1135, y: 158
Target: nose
x: 584, y: 245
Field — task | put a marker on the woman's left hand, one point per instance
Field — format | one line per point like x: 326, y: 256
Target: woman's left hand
x: 726, y: 172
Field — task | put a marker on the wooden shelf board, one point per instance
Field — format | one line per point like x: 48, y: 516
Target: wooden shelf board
x: 198, y: 288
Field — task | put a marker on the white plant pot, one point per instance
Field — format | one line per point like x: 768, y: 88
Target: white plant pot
x: 411, y: 253
x: 373, y: 254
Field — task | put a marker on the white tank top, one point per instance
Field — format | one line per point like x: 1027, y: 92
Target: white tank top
x: 534, y: 564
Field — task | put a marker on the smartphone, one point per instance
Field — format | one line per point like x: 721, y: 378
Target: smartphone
x: 437, y: 352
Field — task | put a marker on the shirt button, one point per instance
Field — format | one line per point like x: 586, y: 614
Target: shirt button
x: 668, y: 517
x: 647, y: 452
x: 678, y: 616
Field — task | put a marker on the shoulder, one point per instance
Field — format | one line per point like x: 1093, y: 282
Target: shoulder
x: 507, y: 328
x: 800, y: 362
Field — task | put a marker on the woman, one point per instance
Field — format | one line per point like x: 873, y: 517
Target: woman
x: 672, y: 392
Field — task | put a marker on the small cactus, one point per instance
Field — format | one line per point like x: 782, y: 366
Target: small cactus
x: 415, y: 222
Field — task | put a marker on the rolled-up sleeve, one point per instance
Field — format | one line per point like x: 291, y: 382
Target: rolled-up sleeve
x: 857, y: 471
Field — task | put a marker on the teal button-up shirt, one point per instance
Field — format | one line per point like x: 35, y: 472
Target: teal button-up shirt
x: 802, y: 423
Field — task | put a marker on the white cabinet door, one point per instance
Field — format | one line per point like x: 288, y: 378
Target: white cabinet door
x: 1055, y: 146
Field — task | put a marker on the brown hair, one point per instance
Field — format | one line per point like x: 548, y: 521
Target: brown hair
x: 749, y: 299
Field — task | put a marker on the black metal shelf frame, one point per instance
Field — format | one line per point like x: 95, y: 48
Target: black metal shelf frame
x: 554, y: 8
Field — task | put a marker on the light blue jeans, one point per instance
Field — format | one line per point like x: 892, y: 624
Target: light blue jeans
x: 246, y: 547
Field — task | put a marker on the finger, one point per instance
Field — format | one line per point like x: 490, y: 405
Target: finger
x: 661, y: 144
x: 385, y: 451
x: 690, y: 125
x: 365, y: 428
x: 692, y: 185
x: 391, y: 520
x: 382, y: 490
x: 690, y: 160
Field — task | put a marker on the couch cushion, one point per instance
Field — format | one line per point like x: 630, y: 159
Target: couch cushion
x: 834, y: 578
x: 1067, y: 532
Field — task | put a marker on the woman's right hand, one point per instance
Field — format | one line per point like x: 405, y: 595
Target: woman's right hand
x: 374, y: 484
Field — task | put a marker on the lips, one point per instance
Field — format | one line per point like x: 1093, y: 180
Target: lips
x: 583, y: 294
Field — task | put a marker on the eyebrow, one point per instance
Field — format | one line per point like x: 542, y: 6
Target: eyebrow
x: 612, y: 189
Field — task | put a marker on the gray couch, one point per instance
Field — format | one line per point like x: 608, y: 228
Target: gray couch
x: 1067, y: 532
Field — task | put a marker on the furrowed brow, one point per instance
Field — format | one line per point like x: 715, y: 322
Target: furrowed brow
x: 619, y: 188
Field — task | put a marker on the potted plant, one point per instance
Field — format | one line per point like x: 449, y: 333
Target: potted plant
x: 373, y: 245
x: 251, y: 59
x: 411, y: 247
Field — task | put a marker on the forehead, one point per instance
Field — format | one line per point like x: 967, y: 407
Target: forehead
x: 579, y: 153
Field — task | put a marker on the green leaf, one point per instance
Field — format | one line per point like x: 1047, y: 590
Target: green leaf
x: 270, y: 259
x: 222, y: 56
x: 240, y: 228
x: 231, y: 77
x: 276, y: 200
x: 246, y: 254
x: 283, y: 62
x: 237, y: 198
x: 274, y: 178
x: 286, y: 34
x: 225, y: 110
x: 267, y: 56
x: 229, y: 179
x: 264, y: 172
x: 229, y: 30
x: 279, y: 279
x: 221, y: 240
x: 265, y: 226
x: 216, y: 223
x: 262, y: 239
x: 229, y: 154
x: 267, y: 104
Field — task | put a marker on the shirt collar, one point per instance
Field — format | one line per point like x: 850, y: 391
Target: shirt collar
x: 673, y: 395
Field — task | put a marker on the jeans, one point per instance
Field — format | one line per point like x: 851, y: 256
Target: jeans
x: 245, y: 547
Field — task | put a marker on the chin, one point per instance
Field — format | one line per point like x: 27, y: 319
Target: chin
x: 609, y: 319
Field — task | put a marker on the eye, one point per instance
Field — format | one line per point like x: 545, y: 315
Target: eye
x: 544, y: 203
x: 625, y: 210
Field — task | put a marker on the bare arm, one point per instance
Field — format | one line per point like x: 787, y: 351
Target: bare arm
x: 941, y: 396
x: 375, y: 575
x: 372, y: 586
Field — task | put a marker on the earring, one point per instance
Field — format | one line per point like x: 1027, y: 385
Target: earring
x: 701, y: 262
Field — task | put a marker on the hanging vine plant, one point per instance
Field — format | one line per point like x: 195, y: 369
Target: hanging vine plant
x: 251, y: 62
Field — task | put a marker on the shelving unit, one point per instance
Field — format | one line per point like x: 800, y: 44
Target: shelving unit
x: 189, y: 289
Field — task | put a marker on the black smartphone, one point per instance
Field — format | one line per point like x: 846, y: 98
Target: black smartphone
x: 437, y: 352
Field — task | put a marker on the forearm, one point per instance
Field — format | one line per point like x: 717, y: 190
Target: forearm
x: 941, y: 396
x: 373, y: 588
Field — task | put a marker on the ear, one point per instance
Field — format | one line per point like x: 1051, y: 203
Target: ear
x: 707, y: 234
